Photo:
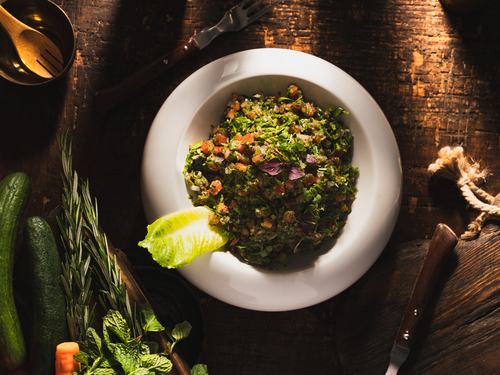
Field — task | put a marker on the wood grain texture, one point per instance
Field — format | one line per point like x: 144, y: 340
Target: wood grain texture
x: 434, y: 73
x: 459, y: 331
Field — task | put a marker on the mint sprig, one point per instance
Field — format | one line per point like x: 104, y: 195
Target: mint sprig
x: 119, y: 353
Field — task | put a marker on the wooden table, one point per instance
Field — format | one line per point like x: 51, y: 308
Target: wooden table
x: 434, y: 73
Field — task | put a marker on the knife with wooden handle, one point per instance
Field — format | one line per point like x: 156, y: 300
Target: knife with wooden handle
x: 443, y: 242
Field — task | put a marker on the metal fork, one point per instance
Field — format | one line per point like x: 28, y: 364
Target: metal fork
x: 234, y: 19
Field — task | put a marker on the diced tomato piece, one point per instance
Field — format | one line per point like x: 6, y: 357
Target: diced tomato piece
x: 222, y: 209
x: 215, y: 187
x: 293, y: 90
x: 308, y: 110
x: 241, y: 167
x: 237, y: 143
x: 218, y: 150
x: 308, y: 180
x: 230, y: 114
x: 212, y: 220
x: 297, y: 104
x: 207, y: 147
x: 279, y: 189
x: 247, y: 138
x: 267, y: 223
x: 220, y: 139
x: 258, y: 157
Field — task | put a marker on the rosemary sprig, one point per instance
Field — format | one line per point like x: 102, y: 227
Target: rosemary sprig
x: 87, y: 256
x: 76, y: 273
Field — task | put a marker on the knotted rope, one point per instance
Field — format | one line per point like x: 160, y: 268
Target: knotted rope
x: 453, y: 166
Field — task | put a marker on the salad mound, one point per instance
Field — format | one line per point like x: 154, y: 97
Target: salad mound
x: 277, y: 174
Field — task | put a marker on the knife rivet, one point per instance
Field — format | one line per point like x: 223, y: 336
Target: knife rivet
x: 185, y: 48
x: 406, y: 335
x: 165, y: 61
x: 415, y: 312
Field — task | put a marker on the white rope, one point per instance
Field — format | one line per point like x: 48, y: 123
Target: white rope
x: 453, y: 166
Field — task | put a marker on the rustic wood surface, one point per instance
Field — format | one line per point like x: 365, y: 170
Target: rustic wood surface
x: 435, y: 74
x: 459, y: 331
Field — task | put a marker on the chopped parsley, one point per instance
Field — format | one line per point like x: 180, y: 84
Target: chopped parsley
x: 277, y: 173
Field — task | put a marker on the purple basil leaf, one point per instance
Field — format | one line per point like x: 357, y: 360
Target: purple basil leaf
x: 273, y: 167
x: 311, y: 159
x: 219, y: 159
x: 294, y: 173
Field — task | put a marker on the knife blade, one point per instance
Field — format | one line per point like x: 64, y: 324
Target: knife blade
x: 442, y: 243
x: 234, y: 19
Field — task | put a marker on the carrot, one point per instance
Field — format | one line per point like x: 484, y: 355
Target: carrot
x: 65, y: 363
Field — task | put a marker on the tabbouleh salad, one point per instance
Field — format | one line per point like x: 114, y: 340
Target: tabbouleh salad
x: 277, y: 174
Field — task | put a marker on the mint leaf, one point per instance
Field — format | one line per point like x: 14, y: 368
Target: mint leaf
x: 181, y: 331
x: 151, y: 323
x: 113, y: 323
x: 125, y: 356
x: 81, y: 357
x: 141, y: 371
x: 93, y: 344
x: 104, y: 371
x: 152, y: 345
x: 156, y: 363
x: 199, y: 369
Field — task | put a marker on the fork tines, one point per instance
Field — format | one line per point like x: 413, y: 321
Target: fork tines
x: 253, y: 7
x: 50, y: 63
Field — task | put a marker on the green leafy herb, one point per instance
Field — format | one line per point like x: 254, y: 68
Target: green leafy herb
x: 180, y: 331
x: 271, y: 167
x: 123, y: 348
x: 87, y: 256
x: 151, y: 323
x: 199, y: 369
x: 118, y: 353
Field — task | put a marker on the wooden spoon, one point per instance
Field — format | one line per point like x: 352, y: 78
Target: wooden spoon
x: 36, y: 51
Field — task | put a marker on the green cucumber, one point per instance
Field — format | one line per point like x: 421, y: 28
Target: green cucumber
x: 15, y: 190
x: 48, y: 303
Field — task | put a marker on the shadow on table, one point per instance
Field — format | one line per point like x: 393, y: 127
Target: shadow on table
x: 29, y: 117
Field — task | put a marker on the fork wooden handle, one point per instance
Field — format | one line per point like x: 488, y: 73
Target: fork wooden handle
x: 110, y: 97
x: 442, y: 243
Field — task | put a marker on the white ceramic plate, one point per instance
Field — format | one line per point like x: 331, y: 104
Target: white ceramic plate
x: 199, y: 101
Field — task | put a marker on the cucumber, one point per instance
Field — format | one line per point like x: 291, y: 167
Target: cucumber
x: 48, y: 303
x: 15, y: 190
